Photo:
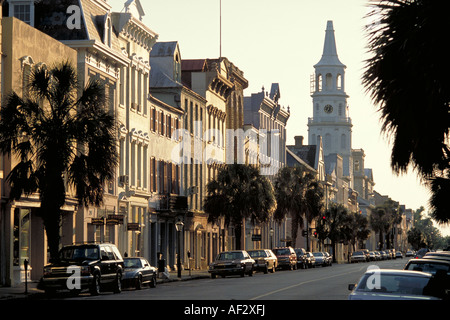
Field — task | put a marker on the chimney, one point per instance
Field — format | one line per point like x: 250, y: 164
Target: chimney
x: 298, y: 141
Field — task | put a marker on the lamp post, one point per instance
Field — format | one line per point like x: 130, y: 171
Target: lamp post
x: 271, y: 238
x: 179, y: 226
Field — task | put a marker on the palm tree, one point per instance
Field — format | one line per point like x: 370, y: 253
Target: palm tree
x: 299, y: 195
x: 334, y: 225
x: 238, y: 193
x: 60, y: 135
x: 407, y: 75
x: 356, y: 228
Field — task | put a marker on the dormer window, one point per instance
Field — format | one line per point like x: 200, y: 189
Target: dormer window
x: 23, y: 10
x: 177, y: 69
x: 108, y: 32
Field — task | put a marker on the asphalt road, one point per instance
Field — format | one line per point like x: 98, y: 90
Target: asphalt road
x: 321, y: 283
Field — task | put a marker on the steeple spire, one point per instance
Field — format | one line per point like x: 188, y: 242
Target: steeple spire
x: 329, y: 55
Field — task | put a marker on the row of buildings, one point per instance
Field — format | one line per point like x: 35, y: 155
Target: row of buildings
x: 180, y: 122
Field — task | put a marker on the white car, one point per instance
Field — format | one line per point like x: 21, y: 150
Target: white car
x: 387, y: 284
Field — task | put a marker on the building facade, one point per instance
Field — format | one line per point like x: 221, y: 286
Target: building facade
x: 264, y: 115
x: 22, y: 235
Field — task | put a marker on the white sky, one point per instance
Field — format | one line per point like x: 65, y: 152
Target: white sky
x: 279, y: 42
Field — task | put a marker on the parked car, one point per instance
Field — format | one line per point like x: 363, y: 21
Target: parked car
x: 287, y: 258
x: 310, y: 260
x: 357, y: 256
x: 329, y: 258
x: 409, y: 253
x: 231, y: 263
x: 265, y: 260
x: 301, y: 257
x: 444, y: 255
x: 378, y: 256
x: 428, y: 265
x: 384, y: 255
x: 372, y: 256
x: 386, y: 284
x: 399, y: 255
x: 366, y: 254
x: 138, y: 272
x: 95, y: 267
x: 320, y: 259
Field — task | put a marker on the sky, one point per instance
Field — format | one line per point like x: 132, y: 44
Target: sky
x: 279, y: 42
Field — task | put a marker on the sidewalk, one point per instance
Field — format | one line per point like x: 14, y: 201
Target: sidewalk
x: 18, y: 292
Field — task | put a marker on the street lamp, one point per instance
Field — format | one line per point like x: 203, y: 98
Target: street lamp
x: 179, y: 226
x: 271, y: 238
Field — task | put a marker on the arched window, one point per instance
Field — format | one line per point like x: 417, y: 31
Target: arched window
x: 329, y: 82
x: 339, y: 82
x: 319, y: 82
x: 108, y: 32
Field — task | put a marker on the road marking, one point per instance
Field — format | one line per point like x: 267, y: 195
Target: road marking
x: 300, y: 284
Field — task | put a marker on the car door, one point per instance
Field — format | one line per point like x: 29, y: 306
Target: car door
x: 110, y: 265
x: 105, y: 267
x: 146, y: 271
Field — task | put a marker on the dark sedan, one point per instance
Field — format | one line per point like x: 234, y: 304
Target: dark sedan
x: 138, y: 272
x: 231, y: 263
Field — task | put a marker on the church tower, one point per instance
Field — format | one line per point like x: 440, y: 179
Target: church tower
x: 330, y: 118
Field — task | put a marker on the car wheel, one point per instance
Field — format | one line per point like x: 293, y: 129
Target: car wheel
x: 139, y: 282
x: 118, y: 285
x: 95, y: 287
x: 250, y: 273
x: 153, y: 282
x: 213, y: 276
x: 266, y: 269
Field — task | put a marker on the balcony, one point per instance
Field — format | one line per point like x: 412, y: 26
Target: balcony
x: 172, y: 204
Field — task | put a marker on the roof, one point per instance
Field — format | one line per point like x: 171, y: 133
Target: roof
x: 193, y: 65
x: 329, y: 55
x: 51, y: 18
x: 164, y: 49
x: 160, y: 79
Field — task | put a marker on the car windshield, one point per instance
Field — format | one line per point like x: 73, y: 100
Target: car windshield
x: 132, y: 263
x: 357, y: 253
x: 428, y: 267
x: 392, y: 283
x: 280, y: 252
x: 318, y: 254
x: 79, y: 253
x: 257, y: 254
x: 230, y: 256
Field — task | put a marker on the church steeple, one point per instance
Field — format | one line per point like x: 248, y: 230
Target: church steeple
x: 331, y: 120
x: 329, y: 55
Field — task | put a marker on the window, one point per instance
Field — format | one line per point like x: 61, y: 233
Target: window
x: 153, y: 174
x: 108, y: 32
x: 319, y: 82
x: 22, y: 12
x: 339, y: 82
x: 328, y: 81
x: 153, y: 120
x: 161, y: 123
